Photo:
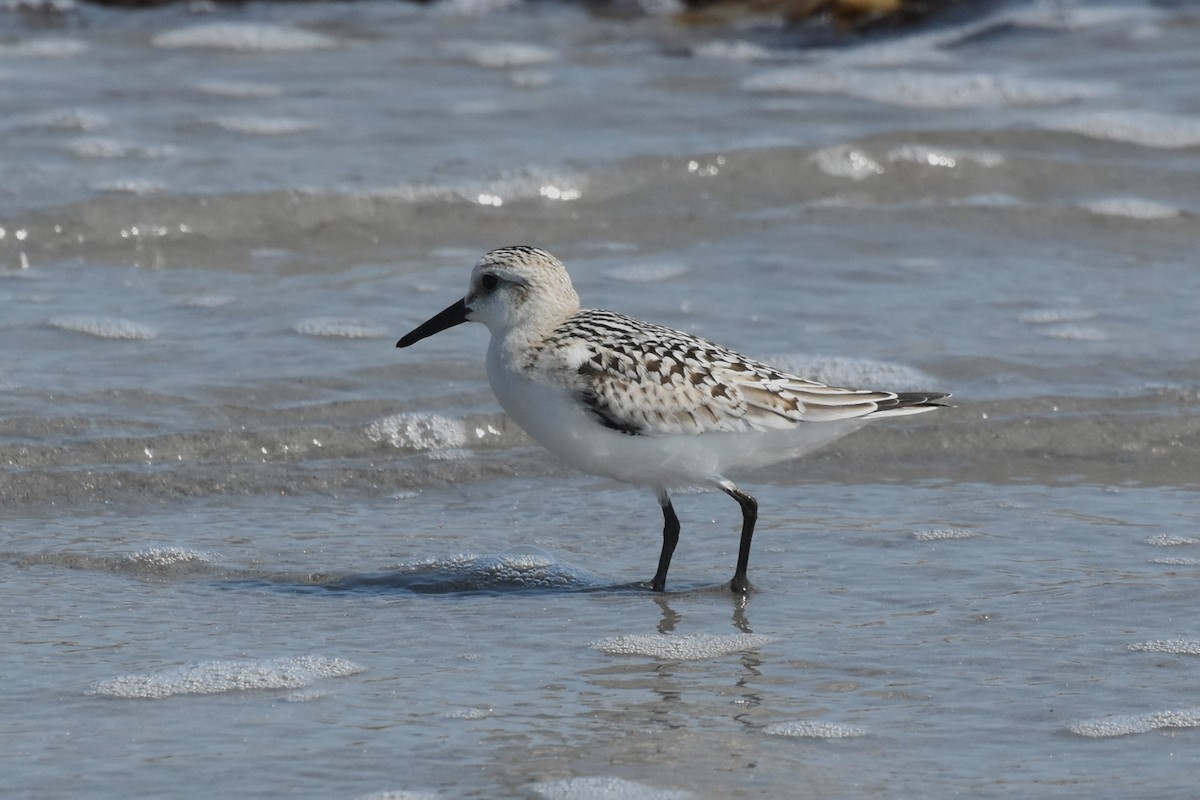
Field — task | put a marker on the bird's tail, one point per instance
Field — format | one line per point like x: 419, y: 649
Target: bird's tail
x: 905, y: 403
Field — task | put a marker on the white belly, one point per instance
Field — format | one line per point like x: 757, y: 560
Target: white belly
x: 560, y: 423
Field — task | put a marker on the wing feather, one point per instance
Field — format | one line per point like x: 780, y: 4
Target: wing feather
x: 640, y: 378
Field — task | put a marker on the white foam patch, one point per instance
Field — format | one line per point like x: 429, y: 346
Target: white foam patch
x: 649, y: 272
x: 531, y: 184
x: 400, y: 794
x: 913, y: 89
x: 68, y: 119
x: 39, y: 6
x: 740, y: 50
x: 336, y: 328
x: 50, y: 47
x: 419, y: 431
x: 1146, y: 128
x: 475, y: 7
x: 467, y: 712
x: 101, y: 147
x: 940, y: 534
x: 660, y: 8
x: 814, y: 729
x: 853, y: 372
x: 1132, y: 208
x: 603, y: 787
x: 137, y: 186
x: 688, y: 647
x: 844, y: 161
x: 214, y: 677
x: 104, y: 327
x: 506, y: 55
x: 207, y: 301
x: 1074, y: 333
x: 264, y: 126
x: 1187, y: 647
x: 246, y: 37
x: 944, y: 158
x: 1171, y: 540
x: 243, y: 89
x: 1056, y: 316
x: 167, y: 558
x: 1137, y: 723
x: 1181, y: 561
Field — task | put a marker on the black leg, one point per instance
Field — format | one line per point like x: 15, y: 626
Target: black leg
x: 741, y: 582
x: 670, y: 539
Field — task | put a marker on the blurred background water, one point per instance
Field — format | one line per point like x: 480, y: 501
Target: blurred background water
x: 250, y: 548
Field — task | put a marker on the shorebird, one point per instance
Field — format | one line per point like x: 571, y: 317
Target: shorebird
x: 645, y: 404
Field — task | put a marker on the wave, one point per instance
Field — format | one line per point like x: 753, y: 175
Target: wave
x: 1096, y: 440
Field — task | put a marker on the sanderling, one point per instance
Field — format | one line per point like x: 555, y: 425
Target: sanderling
x: 641, y: 403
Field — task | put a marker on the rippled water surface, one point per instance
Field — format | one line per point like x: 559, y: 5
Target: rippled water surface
x: 250, y: 548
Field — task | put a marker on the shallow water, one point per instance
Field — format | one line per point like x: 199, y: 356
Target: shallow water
x: 249, y: 547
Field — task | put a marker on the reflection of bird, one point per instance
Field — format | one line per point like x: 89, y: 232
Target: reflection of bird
x: 642, y: 403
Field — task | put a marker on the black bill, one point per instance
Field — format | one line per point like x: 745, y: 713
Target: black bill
x: 454, y: 315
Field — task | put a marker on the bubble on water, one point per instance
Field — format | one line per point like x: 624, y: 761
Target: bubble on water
x: 844, y: 161
x: 104, y: 327
x: 245, y: 37
x: 213, y: 677
x: 516, y: 569
x: 419, y: 430
x: 340, y: 328
x: 1189, y: 647
x: 604, y: 787
x: 522, y: 569
x: 1126, y: 725
x: 687, y: 647
x: 167, y: 557
x: 937, y: 534
x: 940, y: 157
x: 814, y: 729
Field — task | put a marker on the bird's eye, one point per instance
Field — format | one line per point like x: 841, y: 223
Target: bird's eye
x: 489, y: 281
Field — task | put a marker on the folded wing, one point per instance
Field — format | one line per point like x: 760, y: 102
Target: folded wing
x: 647, y: 379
